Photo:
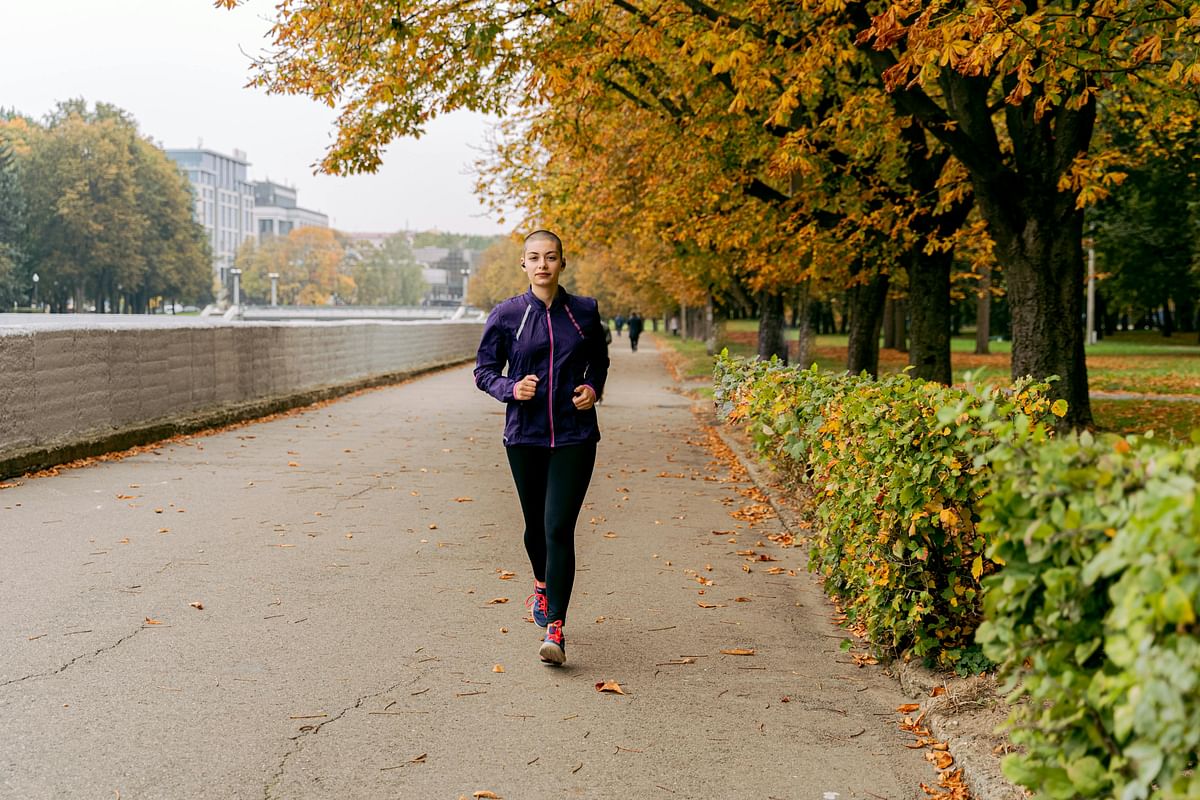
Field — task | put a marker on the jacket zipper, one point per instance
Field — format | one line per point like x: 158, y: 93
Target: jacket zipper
x: 550, y: 376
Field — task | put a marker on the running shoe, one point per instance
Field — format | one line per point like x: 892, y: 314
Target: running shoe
x: 539, y: 606
x: 554, y: 648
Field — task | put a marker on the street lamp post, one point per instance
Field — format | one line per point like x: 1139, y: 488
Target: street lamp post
x: 466, y: 274
x: 33, y: 302
x: 274, y: 276
x: 237, y: 286
x: 1090, y: 337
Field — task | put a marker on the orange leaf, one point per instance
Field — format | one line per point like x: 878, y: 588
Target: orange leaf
x: 908, y: 708
x: 293, y: 464
x: 710, y: 605
x: 495, y: 601
x: 197, y: 605
x: 463, y: 500
x: 609, y: 686
x: 486, y: 795
x: 150, y: 621
x: 738, y: 651
x: 498, y: 668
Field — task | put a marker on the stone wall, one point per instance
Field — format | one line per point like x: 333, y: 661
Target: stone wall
x: 71, y: 391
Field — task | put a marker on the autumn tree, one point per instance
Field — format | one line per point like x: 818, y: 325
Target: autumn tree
x: 311, y: 264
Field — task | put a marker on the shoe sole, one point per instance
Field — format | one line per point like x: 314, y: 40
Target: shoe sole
x: 551, y: 653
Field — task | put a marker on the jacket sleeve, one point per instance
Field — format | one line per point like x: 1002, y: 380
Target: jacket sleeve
x: 597, y: 367
x: 491, y: 358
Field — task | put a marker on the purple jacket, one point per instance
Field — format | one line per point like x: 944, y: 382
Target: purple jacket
x: 564, y: 346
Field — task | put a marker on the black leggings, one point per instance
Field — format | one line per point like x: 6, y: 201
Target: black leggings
x: 551, y: 482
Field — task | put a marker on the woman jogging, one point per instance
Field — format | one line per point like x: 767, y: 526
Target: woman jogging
x: 554, y: 345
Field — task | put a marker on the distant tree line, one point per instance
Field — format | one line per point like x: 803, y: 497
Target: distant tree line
x: 98, y: 212
x: 320, y: 266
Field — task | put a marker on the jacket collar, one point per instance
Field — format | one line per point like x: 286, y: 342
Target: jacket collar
x: 559, y: 299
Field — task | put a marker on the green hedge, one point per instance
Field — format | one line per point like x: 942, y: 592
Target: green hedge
x: 898, y: 469
x: 939, y: 505
x: 1093, y: 618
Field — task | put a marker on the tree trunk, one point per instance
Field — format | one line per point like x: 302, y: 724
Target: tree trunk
x: 1038, y: 236
x: 771, y: 327
x: 710, y: 329
x: 900, y: 326
x: 804, y: 325
x: 1168, y: 319
x: 983, y: 313
x: 865, y: 312
x: 889, y: 324
x: 929, y: 288
x: 1185, y: 314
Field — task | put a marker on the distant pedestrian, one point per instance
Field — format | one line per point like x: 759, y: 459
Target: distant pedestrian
x: 554, y: 347
x: 636, y: 324
x: 674, y: 326
x: 619, y: 321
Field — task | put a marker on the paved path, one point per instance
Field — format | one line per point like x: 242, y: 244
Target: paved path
x: 348, y: 560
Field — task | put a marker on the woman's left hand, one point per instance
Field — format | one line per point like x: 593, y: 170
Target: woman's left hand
x: 584, y: 397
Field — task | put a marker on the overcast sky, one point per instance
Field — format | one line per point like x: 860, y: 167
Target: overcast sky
x: 177, y: 67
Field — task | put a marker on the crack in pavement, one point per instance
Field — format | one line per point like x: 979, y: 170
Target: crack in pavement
x: 298, y: 739
x: 77, y: 658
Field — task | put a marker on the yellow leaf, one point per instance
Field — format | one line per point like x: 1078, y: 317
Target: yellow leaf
x: 738, y: 651
x: 977, y: 567
x: 609, y: 686
x: 1059, y: 409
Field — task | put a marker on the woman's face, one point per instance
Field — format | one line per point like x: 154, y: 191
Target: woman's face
x: 542, y: 262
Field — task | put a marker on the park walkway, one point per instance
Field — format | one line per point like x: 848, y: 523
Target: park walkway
x: 361, y: 578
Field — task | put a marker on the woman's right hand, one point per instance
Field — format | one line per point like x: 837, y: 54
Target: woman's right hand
x: 525, y: 388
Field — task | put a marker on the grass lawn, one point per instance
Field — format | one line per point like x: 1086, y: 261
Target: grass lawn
x: 1137, y: 362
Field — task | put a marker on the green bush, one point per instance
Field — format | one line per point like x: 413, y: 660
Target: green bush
x: 1093, y: 618
x: 898, y: 467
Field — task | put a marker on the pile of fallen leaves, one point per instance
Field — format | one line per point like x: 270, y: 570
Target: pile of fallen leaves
x: 950, y: 784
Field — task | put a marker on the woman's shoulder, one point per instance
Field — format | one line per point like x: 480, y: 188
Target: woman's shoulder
x: 582, y: 301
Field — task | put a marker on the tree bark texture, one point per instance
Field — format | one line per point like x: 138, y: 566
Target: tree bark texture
x: 771, y: 326
x: 804, y: 325
x: 929, y: 311
x: 900, y: 326
x: 889, y: 324
x: 865, y: 311
x: 983, y: 314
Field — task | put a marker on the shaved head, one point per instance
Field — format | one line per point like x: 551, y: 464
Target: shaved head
x: 544, y: 235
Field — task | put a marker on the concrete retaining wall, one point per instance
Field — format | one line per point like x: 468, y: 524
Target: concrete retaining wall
x: 67, y: 392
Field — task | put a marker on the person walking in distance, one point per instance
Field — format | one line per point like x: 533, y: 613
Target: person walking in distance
x: 554, y: 346
x: 619, y: 321
x: 636, y: 325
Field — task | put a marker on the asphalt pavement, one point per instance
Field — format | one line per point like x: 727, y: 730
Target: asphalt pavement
x: 330, y: 604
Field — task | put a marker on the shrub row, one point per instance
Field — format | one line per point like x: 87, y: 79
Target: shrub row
x: 898, y: 466
x: 941, y: 506
x: 1093, y: 617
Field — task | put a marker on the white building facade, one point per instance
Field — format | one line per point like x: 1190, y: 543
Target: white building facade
x: 276, y: 212
x: 224, y: 201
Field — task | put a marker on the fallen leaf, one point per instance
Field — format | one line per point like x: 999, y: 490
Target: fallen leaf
x: 464, y: 500
x: 745, y: 568
x: 126, y: 496
x: 158, y: 511
x: 741, y: 599
x: 433, y: 526
x: 765, y: 557
x: 495, y: 601
x: 150, y: 621
x: 703, y: 581
x: 418, y: 759
x: 710, y: 605
x: 123, y: 541
x: 610, y: 535
x: 908, y: 708
x: 164, y: 530
x: 504, y: 630
x: 738, y: 651
x: 708, y: 567
x: 938, y: 691
x: 776, y: 571
x: 609, y: 686
x: 197, y: 605
x: 745, y: 552
x: 486, y: 795
x: 293, y: 464
x: 505, y: 575
x: 498, y: 668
